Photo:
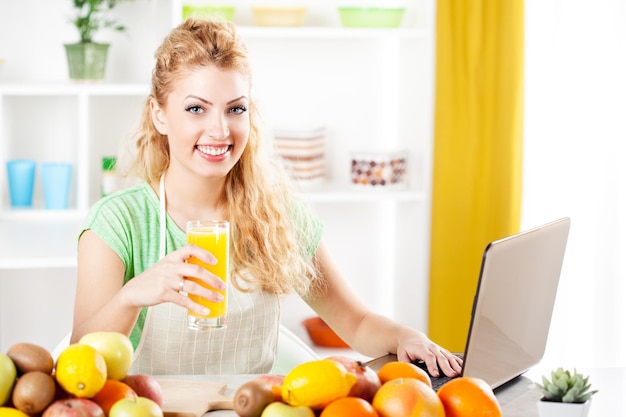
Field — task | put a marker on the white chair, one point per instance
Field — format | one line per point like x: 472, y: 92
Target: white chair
x: 60, y: 346
x: 291, y: 351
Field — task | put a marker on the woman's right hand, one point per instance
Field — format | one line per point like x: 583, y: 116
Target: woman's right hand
x: 105, y: 302
x: 166, y: 281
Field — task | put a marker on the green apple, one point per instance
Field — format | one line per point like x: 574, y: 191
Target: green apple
x: 8, y: 374
x: 278, y: 409
x: 116, y: 349
x: 135, y: 407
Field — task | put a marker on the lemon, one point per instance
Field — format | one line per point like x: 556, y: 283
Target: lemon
x: 12, y: 412
x: 316, y: 383
x: 81, y: 370
x: 116, y: 348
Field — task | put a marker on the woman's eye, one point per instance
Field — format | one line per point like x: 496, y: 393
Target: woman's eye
x: 239, y: 109
x: 194, y: 109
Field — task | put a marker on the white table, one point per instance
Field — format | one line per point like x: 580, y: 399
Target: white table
x: 517, y: 399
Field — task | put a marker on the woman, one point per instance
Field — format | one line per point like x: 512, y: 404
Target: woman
x: 200, y: 154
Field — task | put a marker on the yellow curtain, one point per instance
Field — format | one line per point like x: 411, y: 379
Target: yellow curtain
x: 477, y: 151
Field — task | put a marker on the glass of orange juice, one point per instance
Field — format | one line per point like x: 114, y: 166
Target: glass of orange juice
x: 213, y: 236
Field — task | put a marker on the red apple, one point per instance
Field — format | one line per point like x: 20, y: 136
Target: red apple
x: 275, y: 382
x: 145, y: 386
x: 73, y: 407
x: 136, y: 407
x: 367, y: 379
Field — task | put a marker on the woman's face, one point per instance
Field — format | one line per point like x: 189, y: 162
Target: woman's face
x: 206, y: 120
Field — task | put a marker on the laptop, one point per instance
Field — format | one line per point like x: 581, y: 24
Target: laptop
x: 513, y: 305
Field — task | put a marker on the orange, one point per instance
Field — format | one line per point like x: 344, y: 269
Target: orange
x: 349, y: 406
x: 407, y: 397
x: 112, y: 391
x: 393, y: 370
x: 469, y: 397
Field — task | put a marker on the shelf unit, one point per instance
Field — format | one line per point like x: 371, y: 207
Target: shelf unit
x: 73, y: 126
x: 371, y: 89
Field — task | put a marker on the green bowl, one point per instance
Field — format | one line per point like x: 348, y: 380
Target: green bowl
x: 371, y: 17
x: 209, y: 12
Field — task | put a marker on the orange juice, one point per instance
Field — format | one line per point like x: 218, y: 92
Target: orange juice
x: 212, y: 236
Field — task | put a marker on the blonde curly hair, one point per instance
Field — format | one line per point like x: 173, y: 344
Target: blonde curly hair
x: 270, y: 244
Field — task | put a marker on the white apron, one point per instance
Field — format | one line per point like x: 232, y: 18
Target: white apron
x: 246, y: 346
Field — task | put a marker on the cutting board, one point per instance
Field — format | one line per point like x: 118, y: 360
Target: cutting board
x: 193, y: 398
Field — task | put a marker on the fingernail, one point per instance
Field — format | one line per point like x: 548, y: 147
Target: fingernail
x: 205, y: 311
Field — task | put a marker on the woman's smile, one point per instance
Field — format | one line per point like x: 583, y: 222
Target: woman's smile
x: 212, y: 150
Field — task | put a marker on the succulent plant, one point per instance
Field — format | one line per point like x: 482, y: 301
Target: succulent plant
x: 565, y: 386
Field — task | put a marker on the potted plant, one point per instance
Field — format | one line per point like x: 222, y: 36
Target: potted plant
x: 86, y: 58
x: 565, y: 394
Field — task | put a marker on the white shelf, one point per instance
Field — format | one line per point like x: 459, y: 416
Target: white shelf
x: 48, y: 238
x: 38, y: 243
x: 304, y: 32
x: 40, y: 215
x: 333, y: 193
x: 72, y: 88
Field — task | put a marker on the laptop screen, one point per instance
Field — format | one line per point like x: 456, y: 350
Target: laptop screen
x: 513, y: 304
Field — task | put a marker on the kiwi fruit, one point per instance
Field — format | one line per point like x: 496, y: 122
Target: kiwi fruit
x: 251, y: 398
x: 33, y: 392
x: 29, y: 357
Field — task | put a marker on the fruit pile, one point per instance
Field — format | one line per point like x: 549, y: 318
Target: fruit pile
x: 89, y: 379
x: 339, y: 386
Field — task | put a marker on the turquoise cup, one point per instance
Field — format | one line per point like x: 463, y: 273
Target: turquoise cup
x: 56, y: 179
x: 21, y: 176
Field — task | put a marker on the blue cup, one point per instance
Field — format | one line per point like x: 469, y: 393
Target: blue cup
x: 21, y: 176
x: 56, y: 178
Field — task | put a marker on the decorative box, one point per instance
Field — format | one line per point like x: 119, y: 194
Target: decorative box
x: 379, y: 169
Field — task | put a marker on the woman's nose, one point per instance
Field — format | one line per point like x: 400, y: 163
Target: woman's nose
x: 218, y: 128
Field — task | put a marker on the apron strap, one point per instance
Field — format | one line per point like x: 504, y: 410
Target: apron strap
x: 162, y: 223
x: 162, y: 218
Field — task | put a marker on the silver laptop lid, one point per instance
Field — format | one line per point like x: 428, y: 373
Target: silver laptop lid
x: 514, y: 302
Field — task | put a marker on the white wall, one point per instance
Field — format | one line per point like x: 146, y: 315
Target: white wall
x: 36, y: 306
x: 574, y: 166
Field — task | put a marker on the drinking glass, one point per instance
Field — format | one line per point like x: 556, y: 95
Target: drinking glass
x: 213, y: 236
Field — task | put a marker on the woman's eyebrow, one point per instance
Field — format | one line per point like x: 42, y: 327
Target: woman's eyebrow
x: 208, y: 102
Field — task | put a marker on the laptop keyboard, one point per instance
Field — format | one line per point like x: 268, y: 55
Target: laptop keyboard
x: 437, y: 382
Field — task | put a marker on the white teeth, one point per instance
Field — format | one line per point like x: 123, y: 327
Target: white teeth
x: 212, y: 150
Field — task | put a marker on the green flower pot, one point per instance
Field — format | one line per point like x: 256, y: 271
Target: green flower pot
x: 87, y: 61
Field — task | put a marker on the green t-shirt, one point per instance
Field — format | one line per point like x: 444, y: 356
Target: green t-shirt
x: 128, y: 221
